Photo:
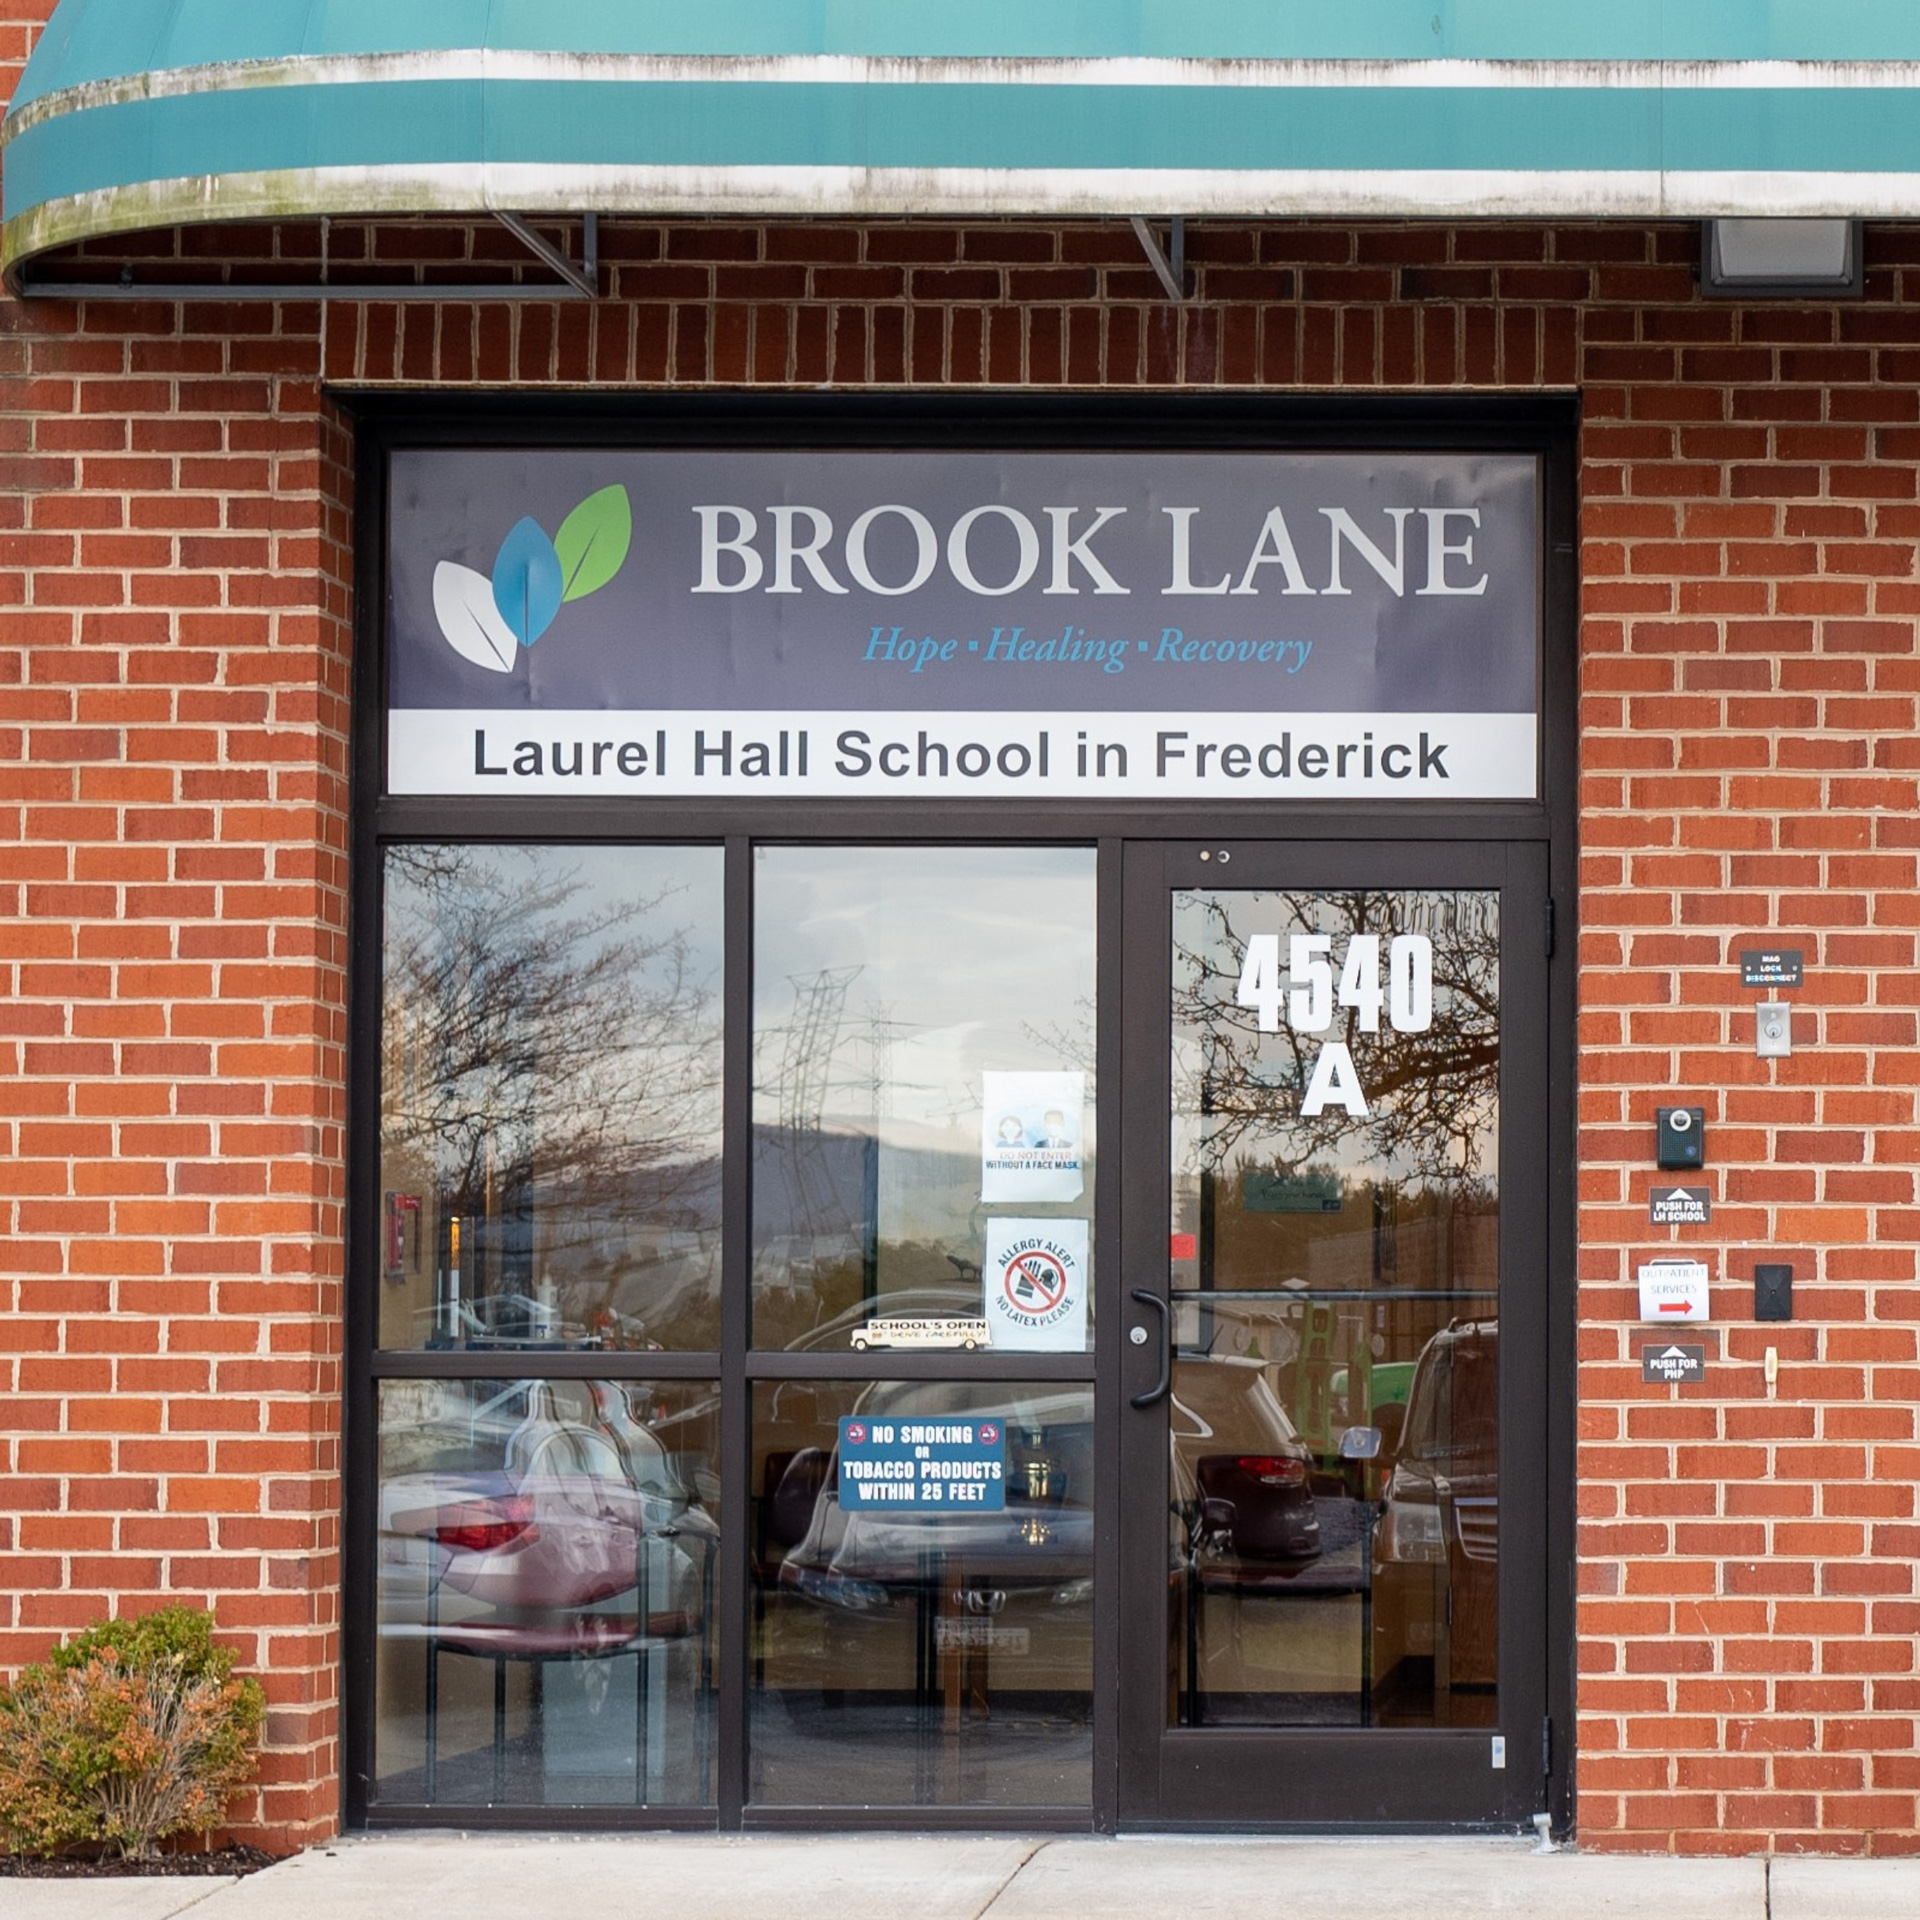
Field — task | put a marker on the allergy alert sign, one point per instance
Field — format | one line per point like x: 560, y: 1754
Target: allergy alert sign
x: 678, y: 622
x: 1035, y: 1284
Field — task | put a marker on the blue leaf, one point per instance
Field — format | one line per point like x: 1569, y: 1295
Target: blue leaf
x: 527, y: 583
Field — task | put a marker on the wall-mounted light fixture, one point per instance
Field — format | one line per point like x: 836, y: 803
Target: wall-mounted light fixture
x: 1780, y: 259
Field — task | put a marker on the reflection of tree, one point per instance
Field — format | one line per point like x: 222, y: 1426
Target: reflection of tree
x: 540, y: 1032
x: 1432, y: 1097
x: 1067, y: 1042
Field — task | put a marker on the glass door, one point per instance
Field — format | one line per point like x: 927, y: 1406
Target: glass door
x: 1333, y: 1432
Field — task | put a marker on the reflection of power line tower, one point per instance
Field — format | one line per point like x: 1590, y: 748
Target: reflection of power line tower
x: 820, y: 1001
x: 881, y: 1027
x: 806, y: 1075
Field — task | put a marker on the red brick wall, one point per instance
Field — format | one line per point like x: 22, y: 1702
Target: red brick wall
x: 173, y: 712
x: 1749, y: 672
x: 173, y: 718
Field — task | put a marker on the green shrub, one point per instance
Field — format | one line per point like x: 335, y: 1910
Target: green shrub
x: 133, y: 1731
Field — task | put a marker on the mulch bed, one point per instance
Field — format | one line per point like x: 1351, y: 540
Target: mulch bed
x: 224, y: 1861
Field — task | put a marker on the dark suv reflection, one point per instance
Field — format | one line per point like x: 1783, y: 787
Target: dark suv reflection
x: 1436, y: 1572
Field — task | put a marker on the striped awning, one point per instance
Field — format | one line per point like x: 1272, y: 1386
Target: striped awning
x: 155, y: 113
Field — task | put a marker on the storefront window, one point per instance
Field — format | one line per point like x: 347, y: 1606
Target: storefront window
x: 546, y: 1599
x: 1199, y: 782
x: 923, y: 1111
x: 915, y: 1651
x: 550, y: 1100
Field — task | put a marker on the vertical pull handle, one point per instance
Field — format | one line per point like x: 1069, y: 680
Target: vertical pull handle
x: 1162, y: 1386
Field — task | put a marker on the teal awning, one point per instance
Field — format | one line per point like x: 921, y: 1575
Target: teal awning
x: 153, y: 113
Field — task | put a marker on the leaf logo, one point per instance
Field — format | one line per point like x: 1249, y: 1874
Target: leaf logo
x: 488, y: 620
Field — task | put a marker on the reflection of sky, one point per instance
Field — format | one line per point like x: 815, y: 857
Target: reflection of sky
x: 969, y: 958
x: 684, y: 882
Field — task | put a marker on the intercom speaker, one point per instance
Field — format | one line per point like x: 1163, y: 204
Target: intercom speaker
x: 1682, y: 1138
x: 1772, y: 1291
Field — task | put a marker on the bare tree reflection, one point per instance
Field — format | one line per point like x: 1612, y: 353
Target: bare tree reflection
x: 1432, y: 1097
x: 551, y: 1048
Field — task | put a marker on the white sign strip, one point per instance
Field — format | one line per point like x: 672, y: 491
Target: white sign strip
x: 1673, y: 1290
x: 1212, y: 756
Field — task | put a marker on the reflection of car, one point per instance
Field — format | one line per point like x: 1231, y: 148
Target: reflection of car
x: 1437, y: 1547
x: 1236, y: 1467
x: 1240, y: 1471
x: 1041, y: 1544
x: 513, y: 1500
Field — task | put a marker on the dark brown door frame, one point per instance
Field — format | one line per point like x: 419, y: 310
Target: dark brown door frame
x: 1338, y: 1777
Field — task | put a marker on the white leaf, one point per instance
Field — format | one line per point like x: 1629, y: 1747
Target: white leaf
x: 463, y: 604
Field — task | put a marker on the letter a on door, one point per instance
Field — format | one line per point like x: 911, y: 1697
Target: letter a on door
x: 1334, y: 1080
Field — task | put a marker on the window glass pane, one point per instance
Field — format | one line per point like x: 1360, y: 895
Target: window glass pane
x: 907, y: 1655
x: 1334, y: 1478
x: 923, y: 1096
x: 550, y: 1098
x: 546, y: 1603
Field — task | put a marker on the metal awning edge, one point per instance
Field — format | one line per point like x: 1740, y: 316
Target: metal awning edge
x: 498, y: 64
x: 849, y: 185
x: 845, y: 192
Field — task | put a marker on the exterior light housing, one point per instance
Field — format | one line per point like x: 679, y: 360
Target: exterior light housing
x: 1780, y: 259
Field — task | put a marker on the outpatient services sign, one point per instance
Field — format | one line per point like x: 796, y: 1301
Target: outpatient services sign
x: 1019, y: 625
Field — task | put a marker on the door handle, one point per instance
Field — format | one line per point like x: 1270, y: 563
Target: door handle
x: 1162, y: 1386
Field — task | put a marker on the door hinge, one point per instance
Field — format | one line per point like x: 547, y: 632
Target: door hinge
x: 1546, y: 1747
x: 1549, y: 926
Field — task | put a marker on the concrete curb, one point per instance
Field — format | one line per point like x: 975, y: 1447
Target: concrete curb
x: 972, y: 1877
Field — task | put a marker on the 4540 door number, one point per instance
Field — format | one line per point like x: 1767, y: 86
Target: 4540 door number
x: 1309, y: 996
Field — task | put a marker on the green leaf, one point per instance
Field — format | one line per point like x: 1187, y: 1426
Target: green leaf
x: 593, y: 540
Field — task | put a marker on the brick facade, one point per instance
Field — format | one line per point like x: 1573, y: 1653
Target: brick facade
x: 174, y: 667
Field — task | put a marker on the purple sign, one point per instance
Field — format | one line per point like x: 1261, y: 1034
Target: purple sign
x: 1032, y: 625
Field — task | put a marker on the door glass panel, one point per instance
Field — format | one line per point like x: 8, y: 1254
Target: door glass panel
x: 906, y: 1654
x: 550, y: 1098
x: 923, y: 1150
x: 1334, y: 1460
x: 545, y: 1597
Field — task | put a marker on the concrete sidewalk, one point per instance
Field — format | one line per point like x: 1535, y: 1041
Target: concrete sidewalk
x: 901, y: 1877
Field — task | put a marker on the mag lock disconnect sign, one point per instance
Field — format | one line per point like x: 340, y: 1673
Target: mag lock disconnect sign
x: 1673, y: 1290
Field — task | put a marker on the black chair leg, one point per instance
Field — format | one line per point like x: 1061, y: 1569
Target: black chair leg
x: 433, y: 1688
x: 433, y: 1720
x: 642, y: 1730
x: 703, y: 1695
x: 499, y: 1732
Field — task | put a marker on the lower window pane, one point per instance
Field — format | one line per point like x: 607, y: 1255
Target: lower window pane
x: 546, y: 1598
x: 906, y: 1653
